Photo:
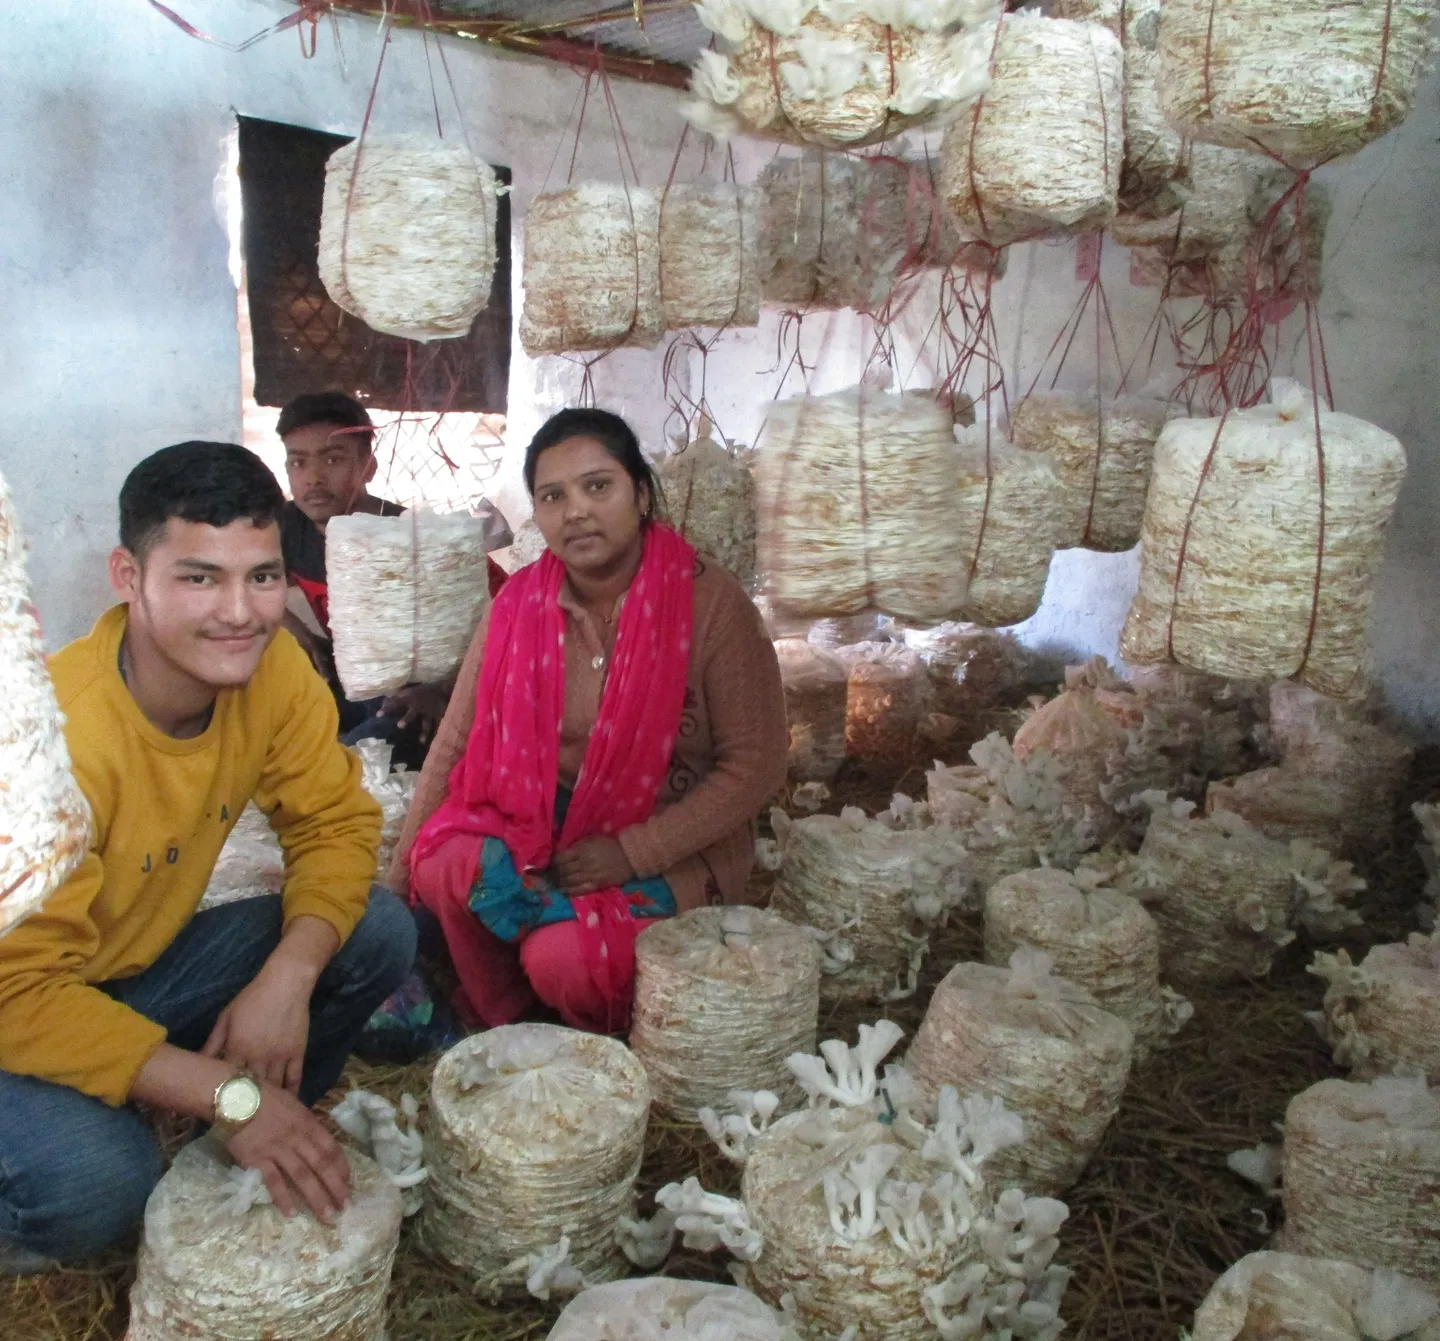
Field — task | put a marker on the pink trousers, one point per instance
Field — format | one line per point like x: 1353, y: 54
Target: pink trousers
x: 500, y: 981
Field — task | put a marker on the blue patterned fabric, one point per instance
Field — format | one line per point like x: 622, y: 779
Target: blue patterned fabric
x: 509, y: 904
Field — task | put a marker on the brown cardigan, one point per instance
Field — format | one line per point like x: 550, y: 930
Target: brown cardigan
x: 729, y: 759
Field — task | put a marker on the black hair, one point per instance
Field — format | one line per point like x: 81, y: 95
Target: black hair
x: 211, y: 482
x: 612, y: 433
x: 328, y: 407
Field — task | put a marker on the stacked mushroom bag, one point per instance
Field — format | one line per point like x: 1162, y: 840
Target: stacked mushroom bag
x: 710, y: 494
x: 722, y: 997
x: 1255, y: 563
x: 709, y: 253
x: 1362, y: 1175
x: 407, y: 235
x: 1340, y: 777
x: 1011, y: 514
x: 1271, y: 1296
x: 1080, y: 735
x: 1102, y: 452
x: 971, y: 670
x: 1154, y: 150
x: 406, y: 594
x: 1240, y: 232
x: 1039, y: 1044
x: 1039, y: 153
x: 1226, y: 898
x: 534, y: 1144
x: 1009, y: 813
x: 44, y: 816
x: 1303, y: 80
x: 869, y: 1218
x: 887, y: 696
x: 871, y: 892
x: 1383, y: 1013
x: 1428, y: 817
x: 1097, y: 938
x: 835, y: 76
x: 815, y: 697
x: 681, y: 1310
x: 856, y: 498
x: 592, y: 269
x: 218, y: 1260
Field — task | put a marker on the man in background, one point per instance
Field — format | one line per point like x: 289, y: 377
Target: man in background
x: 329, y: 443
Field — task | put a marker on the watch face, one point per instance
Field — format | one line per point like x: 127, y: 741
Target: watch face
x: 238, y: 1100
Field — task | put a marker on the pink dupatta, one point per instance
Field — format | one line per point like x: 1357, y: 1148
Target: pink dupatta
x: 505, y: 784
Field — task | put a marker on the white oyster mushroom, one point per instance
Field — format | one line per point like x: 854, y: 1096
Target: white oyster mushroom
x: 374, y: 1123
x: 550, y: 1271
x: 736, y: 1132
x: 844, y: 1075
x: 1261, y: 1165
x: 707, y: 1221
x: 647, y: 1243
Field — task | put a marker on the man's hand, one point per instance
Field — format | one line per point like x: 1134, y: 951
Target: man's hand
x: 294, y: 1153
x: 423, y: 704
x: 593, y: 863
x: 265, y: 1028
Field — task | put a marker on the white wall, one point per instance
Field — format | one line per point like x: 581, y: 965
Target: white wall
x: 117, y: 330
x: 117, y: 310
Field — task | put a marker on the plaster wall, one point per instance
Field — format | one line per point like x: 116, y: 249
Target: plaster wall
x: 118, y: 333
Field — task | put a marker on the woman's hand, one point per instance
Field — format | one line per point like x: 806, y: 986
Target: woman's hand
x: 593, y: 863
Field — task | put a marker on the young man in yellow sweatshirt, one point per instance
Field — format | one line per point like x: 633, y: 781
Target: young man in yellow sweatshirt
x: 185, y: 702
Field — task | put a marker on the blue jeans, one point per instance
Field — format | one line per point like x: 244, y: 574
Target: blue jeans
x: 74, y: 1172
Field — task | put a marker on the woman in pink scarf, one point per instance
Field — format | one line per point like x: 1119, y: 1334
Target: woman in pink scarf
x: 617, y: 725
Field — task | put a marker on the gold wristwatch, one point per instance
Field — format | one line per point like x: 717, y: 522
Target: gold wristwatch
x: 237, y: 1101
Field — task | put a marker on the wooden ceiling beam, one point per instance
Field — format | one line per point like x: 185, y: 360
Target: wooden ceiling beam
x: 528, y: 39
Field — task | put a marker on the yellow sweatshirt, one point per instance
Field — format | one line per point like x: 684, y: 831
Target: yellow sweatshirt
x: 162, y: 809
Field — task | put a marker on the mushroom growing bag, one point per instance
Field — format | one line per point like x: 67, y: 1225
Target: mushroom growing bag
x: 856, y: 496
x: 592, y: 269
x: 218, y: 1261
x: 722, y: 997
x: 407, y: 235
x: 1248, y: 569
x: 1039, y: 154
x: 1304, y: 80
x: 535, y: 1135
x: 1362, y: 1175
x: 44, y: 815
x: 1271, y: 1296
x: 406, y: 594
